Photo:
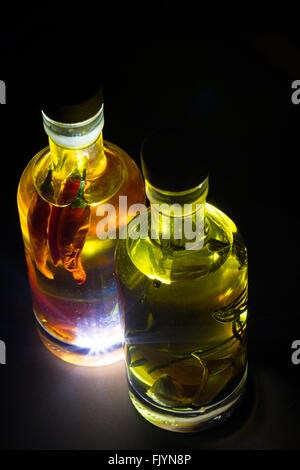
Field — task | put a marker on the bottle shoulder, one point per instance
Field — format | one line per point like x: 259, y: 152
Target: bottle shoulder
x: 119, y: 173
x: 121, y: 176
x: 222, y: 246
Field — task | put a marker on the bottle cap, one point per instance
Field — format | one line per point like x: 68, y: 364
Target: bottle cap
x: 71, y: 100
x: 176, y: 159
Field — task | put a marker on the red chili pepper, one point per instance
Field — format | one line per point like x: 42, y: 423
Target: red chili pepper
x: 74, y: 224
x: 68, y: 193
x: 37, y: 222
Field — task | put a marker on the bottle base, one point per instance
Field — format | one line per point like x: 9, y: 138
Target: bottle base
x: 87, y: 357
x: 187, y: 422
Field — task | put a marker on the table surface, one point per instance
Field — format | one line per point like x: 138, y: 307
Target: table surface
x: 47, y: 403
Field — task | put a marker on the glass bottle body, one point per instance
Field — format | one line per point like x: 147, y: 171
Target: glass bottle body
x: 78, y: 316
x: 184, y: 318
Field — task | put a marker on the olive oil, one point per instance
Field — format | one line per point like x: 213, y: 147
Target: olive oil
x: 184, y: 316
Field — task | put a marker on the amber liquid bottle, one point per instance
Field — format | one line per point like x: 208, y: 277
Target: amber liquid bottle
x: 184, y: 289
x: 71, y: 269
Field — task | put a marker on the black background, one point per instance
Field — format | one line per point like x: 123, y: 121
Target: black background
x: 229, y: 73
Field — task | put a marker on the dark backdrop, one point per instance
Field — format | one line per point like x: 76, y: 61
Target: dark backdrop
x: 233, y: 77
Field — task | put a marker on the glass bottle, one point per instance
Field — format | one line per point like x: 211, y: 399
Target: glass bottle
x: 182, y: 276
x: 71, y: 269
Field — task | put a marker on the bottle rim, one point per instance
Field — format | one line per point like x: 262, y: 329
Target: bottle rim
x: 74, y: 135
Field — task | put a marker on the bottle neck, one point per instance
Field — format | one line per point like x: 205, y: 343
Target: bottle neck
x: 74, y: 148
x: 178, y: 219
x: 66, y: 161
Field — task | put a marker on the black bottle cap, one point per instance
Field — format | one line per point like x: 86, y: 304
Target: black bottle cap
x: 176, y: 159
x: 71, y: 100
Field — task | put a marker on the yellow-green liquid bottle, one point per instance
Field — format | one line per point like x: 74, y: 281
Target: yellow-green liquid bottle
x: 184, y: 294
x: 71, y: 270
